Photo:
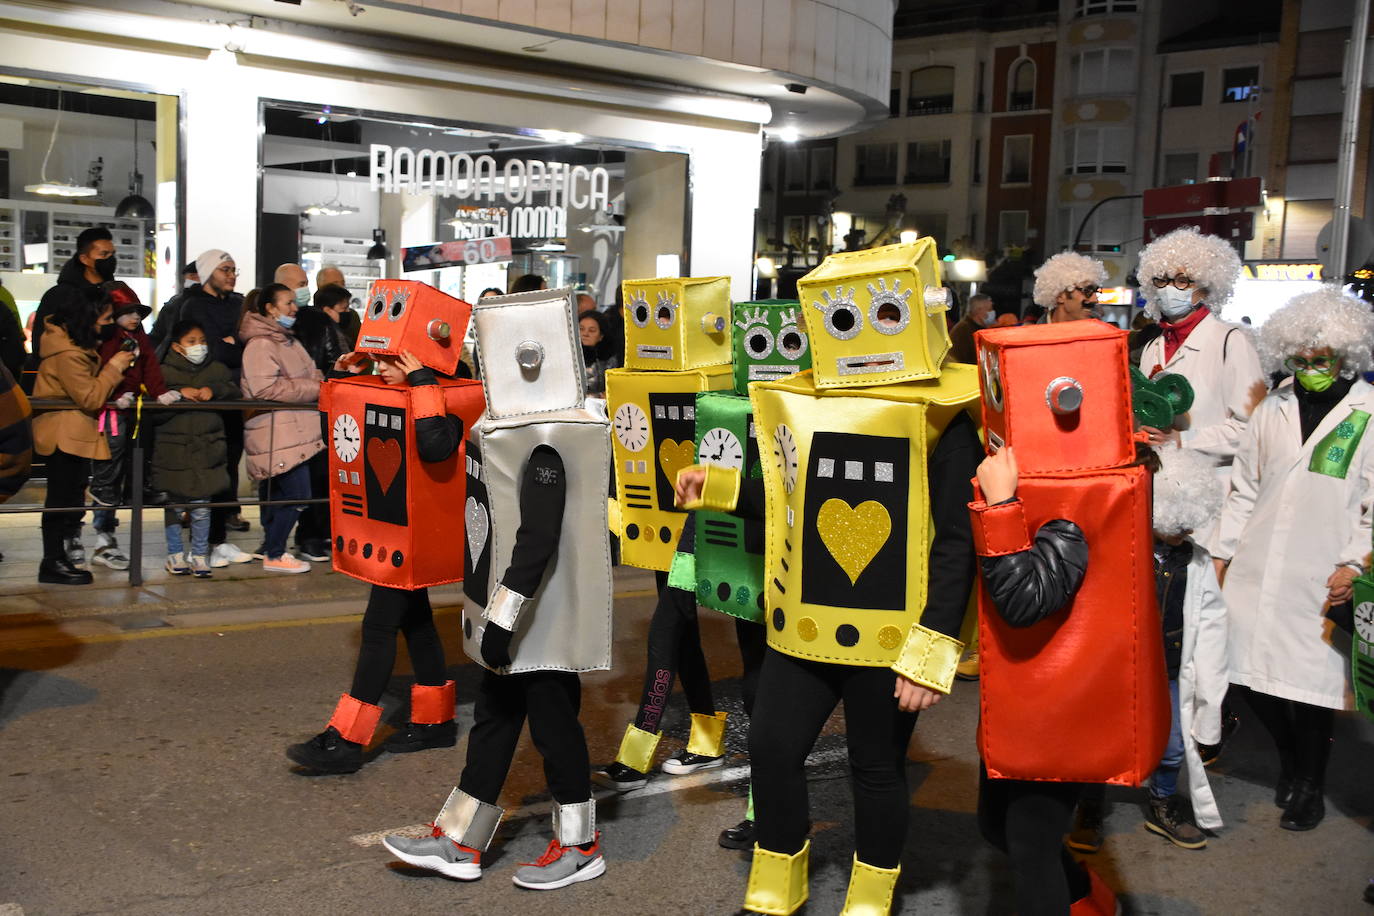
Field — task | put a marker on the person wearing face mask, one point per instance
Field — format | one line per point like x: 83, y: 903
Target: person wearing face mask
x: 1295, y: 531
x: 191, y: 460
x: 279, y: 443
x: 1066, y: 287
x: 293, y: 277
x: 92, y: 265
x: 980, y: 314
x: 120, y: 424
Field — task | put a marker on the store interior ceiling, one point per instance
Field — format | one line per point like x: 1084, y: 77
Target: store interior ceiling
x: 820, y: 112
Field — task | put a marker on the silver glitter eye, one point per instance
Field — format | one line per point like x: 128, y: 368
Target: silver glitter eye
x: 992, y: 378
x: 758, y: 342
x: 377, y: 306
x: 639, y: 310
x: 398, y: 305
x: 792, y: 342
x: 888, y: 310
x: 665, y: 313
x: 841, y: 317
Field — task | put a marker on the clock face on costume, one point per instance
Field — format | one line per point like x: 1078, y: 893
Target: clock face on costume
x: 785, y: 455
x: 347, y: 439
x: 631, y: 427
x: 1364, y: 620
x: 720, y: 446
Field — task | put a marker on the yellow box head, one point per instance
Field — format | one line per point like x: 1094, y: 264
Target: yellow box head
x: 677, y: 323
x: 876, y: 316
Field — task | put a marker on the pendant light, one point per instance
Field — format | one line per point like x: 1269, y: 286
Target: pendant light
x: 378, y: 250
x: 135, y: 206
x: 333, y: 206
x: 57, y: 188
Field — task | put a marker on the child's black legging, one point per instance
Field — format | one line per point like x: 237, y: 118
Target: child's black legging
x: 389, y: 610
x: 1028, y: 820
x: 795, y: 697
x: 674, y: 651
x: 1301, y: 732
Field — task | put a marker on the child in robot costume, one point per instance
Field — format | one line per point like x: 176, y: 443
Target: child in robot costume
x: 368, y: 437
x: 537, y: 588
x: 1295, y: 531
x: 1066, y: 287
x: 873, y: 449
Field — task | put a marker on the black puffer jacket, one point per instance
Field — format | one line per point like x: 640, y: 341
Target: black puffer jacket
x: 321, y: 336
x: 219, y: 318
x: 1031, y: 584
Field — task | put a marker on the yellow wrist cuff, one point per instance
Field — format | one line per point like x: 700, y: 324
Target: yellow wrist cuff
x: 707, y: 736
x: 637, y: 748
x: 929, y: 658
x: 720, y: 490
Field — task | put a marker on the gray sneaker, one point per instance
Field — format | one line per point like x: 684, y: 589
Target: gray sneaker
x: 111, y: 556
x: 560, y: 866
x: 437, y: 853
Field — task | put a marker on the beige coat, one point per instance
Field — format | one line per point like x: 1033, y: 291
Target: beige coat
x: 70, y: 372
x: 277, y: 368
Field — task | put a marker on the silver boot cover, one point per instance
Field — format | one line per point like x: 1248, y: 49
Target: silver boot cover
x: 467, y: 821
x: 574, y: 825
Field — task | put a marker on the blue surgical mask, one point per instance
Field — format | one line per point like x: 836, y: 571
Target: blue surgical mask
x: 196, y: 353
x: 303, y: 296
x: 1175, y: 303
x: 286, y: 321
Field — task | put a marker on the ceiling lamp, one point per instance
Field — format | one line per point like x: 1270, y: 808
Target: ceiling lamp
x: 378, y: 250
x: 135, y: 206
x: 57, y: 188
x: 330, y: 208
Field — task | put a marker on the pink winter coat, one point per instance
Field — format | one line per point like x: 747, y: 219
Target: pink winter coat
x: 277, y: 368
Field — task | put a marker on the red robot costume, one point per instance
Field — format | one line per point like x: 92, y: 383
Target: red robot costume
x: 396, y: 476
x: 1073, y: 685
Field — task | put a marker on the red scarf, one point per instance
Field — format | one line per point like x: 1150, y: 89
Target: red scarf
x: 1176, y: 333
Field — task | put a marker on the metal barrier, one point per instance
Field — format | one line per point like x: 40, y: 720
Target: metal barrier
x: 135, y: 481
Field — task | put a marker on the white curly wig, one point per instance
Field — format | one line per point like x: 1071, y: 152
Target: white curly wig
x: 1065, y: 271
x: 1327, y: 317
x: 1208, y: 259
x: 1187, y: 493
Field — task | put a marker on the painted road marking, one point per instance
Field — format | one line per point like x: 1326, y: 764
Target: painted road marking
x: 659, y: 786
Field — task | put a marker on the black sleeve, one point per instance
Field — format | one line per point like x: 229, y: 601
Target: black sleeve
x: 543, y: 491
x: 752, y: 501
x: 950, y: 572
x: 11, y: 342
x: 435, y: 437
x: 1031, y: 584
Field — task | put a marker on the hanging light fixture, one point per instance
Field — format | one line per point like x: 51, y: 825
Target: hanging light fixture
x: 57, y: 188
x: 333, y: 206
x: 135, y: 206
x: 378, y: 250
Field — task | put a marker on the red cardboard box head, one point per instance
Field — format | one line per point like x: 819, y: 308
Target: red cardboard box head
x: 407, y: 315
x: 396, y: 520
x: 1060, y: 394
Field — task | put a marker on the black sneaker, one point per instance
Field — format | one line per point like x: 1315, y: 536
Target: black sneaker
x: 314, y: 551
x: 1166, y: 817
x: 740, y: 836
x: 1306, y: 809
x: 1087, y: 827
x: 416, y: 737
x: 684, y: 762
x: 620, y: 777
x: 1283, y: 791
x: 61, y: 572
x: 328, y: 752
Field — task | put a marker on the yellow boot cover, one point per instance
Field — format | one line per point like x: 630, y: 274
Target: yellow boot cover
x: 777, y: 882
x: 870, y: 890
x: 637, y: 748
x: 707, y: 737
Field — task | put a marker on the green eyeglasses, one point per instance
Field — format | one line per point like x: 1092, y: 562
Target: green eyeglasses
x: 1318, y: 363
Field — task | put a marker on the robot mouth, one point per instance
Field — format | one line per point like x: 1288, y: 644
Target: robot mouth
x: 768, y: 372
x: 647, y: 352
x: 370, y: 342
x: 870, y: 363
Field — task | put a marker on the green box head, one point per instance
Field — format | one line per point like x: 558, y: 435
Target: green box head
x: 768, y: 341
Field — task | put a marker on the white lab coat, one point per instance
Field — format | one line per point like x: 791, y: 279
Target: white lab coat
x: 1203, y: 676
x: 1285, y: 529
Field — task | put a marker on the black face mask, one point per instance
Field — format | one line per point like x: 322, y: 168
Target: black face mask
x: 106, y: 267
x: 107, y: 331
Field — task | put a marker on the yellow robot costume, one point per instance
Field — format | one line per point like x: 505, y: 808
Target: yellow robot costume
x: 869, y: 554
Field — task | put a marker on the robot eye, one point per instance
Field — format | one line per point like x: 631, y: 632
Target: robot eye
x: 840, y: 316
x: 665, y: 313
x: 639, y: 312
x: 1064, y: 395
x: 376, y: 307
x: 792, y: 342
x: 888, y: 311
x: 398, y: 308
x: 992, y: 378
x: 529, y: 354
x: 758, y: 341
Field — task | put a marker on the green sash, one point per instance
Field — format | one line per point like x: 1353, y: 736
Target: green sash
x: 1332, y: 455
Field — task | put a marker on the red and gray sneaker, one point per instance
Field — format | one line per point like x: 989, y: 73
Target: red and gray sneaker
x: 437, y: 852
x: 561, y: 865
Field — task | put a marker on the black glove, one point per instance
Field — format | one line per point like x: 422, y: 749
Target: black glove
x: 496, y: 646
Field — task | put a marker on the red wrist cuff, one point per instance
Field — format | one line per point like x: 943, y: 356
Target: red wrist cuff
x: 999, y: 530
x: 428, y: 401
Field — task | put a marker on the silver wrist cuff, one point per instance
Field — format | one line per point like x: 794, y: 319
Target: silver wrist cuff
x: 574, y: 825
x: 504, y: 608
x: 467, y: 821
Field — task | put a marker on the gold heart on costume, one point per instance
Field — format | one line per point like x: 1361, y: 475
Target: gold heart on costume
x: 674, y: 456
x: 853, y: 535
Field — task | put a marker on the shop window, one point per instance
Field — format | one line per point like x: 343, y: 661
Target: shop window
x: 894, y: 96
x: 1105, y: 231
x: 794, y: 166
x: 822, y: 168
x: 1021, y: 86
x: 1016, y: 159
x: 927, y: 162
x: 1185, y: 89
x: 875, y: 163
x: 1101, y: 7
x: 931, y: 91
x: 1238, y: 84
x: 1180, y: 168
x: 1105, y: 71
x: 1096, y: 150
x: 1012, y: 226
